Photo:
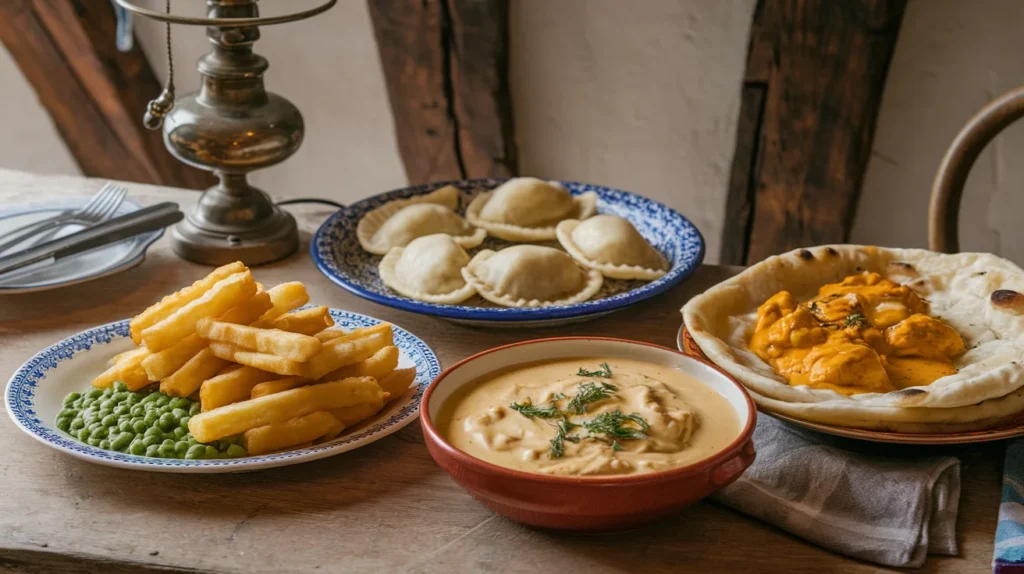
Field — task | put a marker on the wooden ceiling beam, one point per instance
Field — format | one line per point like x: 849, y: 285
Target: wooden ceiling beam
x: 95, y: 94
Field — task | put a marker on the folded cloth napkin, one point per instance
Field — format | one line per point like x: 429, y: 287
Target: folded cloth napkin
x: 880, y: 503
x: 1009, y: 552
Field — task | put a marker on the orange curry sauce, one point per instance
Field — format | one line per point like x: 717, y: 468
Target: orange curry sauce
x: 864, y: 334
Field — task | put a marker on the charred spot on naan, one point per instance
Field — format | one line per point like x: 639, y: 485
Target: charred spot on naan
x: 806, y: 255
x: 1008, y: 300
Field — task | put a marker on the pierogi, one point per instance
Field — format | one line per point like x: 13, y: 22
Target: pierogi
x: 527, y: 209
x: 531, y: 276
x: 610, y: 244
x: 397, y: 223
x: 428, y: 269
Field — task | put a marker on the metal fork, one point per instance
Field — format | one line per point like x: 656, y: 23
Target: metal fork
x: 100, y: 207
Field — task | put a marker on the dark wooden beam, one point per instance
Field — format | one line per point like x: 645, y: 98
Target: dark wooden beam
x: 446, y: 67
x: 816, y: 71
x: 95, y: 94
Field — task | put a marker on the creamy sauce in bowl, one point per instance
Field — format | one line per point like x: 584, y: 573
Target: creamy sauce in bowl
x: 589, y: 416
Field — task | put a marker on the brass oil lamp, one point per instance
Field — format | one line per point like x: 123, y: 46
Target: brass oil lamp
x: 231, y: 126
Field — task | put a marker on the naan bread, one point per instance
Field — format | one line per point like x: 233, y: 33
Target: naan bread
x: 978, y: 294
x: 428, y: 269
x: 531, y: 276
x: 398, y: 222
x: 610, y: 244
x: 528, y: 209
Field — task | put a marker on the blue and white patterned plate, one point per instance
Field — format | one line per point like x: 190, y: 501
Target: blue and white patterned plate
x: 93, y: 264
x: 36, y: 392
x: 336, y: 251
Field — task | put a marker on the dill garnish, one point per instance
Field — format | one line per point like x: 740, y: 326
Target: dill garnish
x: 605, y: 372
x: 814, y: 307
x: 589, y: 393
x: 616, y: 446
x: 562, y: 431
x: 528, y: 410
x: 613, y: 424
x: 856, y: 320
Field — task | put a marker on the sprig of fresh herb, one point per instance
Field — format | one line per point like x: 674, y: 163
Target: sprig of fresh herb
x: 813, y: 307
x: 613, y: 425
x: 605, y: 372
x: 562, y: 430
x: 589, y: 393
x: 530, y: 411
x: 856, y: 320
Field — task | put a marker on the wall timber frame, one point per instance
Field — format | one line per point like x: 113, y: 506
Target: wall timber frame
x: 816, y: 71
x: 95, y: 94
x: 445, y: 63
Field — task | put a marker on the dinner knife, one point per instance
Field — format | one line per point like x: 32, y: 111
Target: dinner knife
x: 130, y: 224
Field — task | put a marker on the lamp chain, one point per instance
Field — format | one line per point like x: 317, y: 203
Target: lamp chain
x: 162, y: 105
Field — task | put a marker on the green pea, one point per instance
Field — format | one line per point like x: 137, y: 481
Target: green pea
x: 195, y: 452
x: 105, y: 444
x: 154, y: 431
x: 235, y: 451
x: 167, y: 421
x: 139, y: 426
x: 71, y: 398
x: 151, y: 440
x: 124, y: 426
x: 137, y: 410
x: 192, y: 441
x: 88, y: 413
x: 77, y: 404
x: 181, y: 448
x: 179, y: 433
x: 93, y: 426
x: 64, y: 424
x: 167, y: 451
x: 178, y: 413
x: 109, y: 390
x: 151, y: 417
x: 137, y: 448
x: 94, y: 394
x: 66, y: 413
x: 122, y: 441
x: 120, y: 387
x: 150, y: 398
x: 77, y: 423
x: 180, y: 403
x: 108, y: 404
x: 153, y: 451
x: 108, y: 420
x: 99, y: 433
x: 120, y: 410
x: 82, y: 435
x: 162, y: 399
x: 91, y: 441
x: 194, y: 409
x: 119, y: 397
x: 132, y: 400
x: 183, y: 422
x: 211, y: 452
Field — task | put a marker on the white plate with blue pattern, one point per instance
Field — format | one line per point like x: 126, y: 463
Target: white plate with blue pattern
x: 36, y: 392
x: 93, y: 264
x: 337, y: 253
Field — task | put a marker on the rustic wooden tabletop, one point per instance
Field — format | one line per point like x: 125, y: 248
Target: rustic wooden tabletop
x: 382, y: 508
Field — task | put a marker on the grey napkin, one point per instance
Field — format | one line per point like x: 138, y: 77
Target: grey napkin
x: 881, y: 503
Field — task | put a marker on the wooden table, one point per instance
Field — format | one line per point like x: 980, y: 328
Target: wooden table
x: 383, y: 508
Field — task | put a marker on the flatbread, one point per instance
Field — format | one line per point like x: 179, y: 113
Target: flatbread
x: 978, y: 294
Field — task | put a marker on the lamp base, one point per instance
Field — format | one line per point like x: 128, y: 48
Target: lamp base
x: 276, y: 239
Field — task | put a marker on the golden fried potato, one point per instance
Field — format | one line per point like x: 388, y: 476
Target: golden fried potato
x: 231, y: 386
x: 161, y: 365
x: 305, y: 321
x: 378, y: 366
x: 333, y: 432
x: 291, y: 346
x: 128, y: 366
x: 342, y: 352
x: 351, y: 416
x: 298, y: 430
x: 335, y: 334
x: 262, y: 361
x: 277, y: 386
x: 278, y: 407
x: 117, y: 358
x: 398, y: 382
x: 171, y: 303
x: 329, y: 335
x: 285, y: 297
x: 189, y: 378
x: 224, y: 295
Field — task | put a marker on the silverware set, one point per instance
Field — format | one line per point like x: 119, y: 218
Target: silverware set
x: 100, y: 227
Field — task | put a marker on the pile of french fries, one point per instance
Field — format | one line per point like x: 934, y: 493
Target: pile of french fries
x: 283, y: 377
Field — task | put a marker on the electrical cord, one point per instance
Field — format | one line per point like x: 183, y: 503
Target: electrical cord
x: 311, y: 200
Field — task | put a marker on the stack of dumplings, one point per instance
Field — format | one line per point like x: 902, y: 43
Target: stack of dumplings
x: 424, y: 242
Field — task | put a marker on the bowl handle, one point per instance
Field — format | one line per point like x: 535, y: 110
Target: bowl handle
x: 731, y: 469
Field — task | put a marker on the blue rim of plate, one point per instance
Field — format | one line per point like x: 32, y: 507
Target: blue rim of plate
x: 21, y: 391
x: 131, y: 259
x: 344, y: 221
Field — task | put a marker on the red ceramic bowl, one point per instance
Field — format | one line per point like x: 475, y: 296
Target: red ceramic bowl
x: 588, y: 503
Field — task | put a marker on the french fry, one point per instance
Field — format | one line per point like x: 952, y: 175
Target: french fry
x: 161, y: 365
x: 333, y: 432
x: 351, y: 416
x: 225, y: 294
x: 298, y: 430
x: 277, y: 386
x: 117, y: 358
x: 329, y: 335
x: 342, y: 352
x: 262, y: 361
x: 304, y: 321
x: 231, y: 386
x: 245, y: 415
x: 190, y: 377
x: 128, y: 365
x: 398, y: 382
x: 171, y: 303
x: 285, y: 297
x: 335, y: 334
x: 378, y: 366
x: 292, y: 346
